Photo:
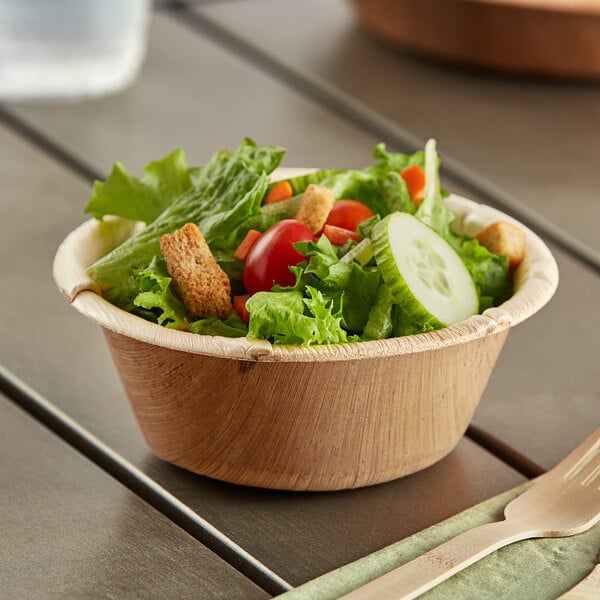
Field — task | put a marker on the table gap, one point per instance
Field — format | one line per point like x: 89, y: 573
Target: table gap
x: 48, y: 146
x: 139, y: 483
x: 504, y: 452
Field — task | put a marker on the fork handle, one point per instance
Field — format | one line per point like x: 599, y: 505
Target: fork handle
x: 426, y: 571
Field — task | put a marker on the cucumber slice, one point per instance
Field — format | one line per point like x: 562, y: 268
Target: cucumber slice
x: 426, y: 275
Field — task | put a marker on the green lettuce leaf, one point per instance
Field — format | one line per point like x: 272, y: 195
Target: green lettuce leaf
x: 143, y: 199
x: 301, y: 182
x: 289, y: 318
x: 338, y: 296
x: 380, y: 324
x: 403, y: 324
x: 396, y: 161
x: 229, y: 189
x: 269, y: 214
x: 345, y: 283
x: 155, y: 300
x: 232, y: 326
x: 382, y: 191
x: 489, y: 271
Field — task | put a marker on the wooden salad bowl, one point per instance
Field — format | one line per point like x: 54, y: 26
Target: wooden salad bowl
x: 546, y: 38
x: 304, y: 418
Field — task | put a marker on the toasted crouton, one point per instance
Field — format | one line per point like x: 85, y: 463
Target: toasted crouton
x: 315, y: 206
x: 504, y: 238
x: 199, y: 281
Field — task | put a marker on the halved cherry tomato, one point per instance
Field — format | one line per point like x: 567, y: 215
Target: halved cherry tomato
x: 349, y: 214
x: 338, y: 236
x: 271, y: 256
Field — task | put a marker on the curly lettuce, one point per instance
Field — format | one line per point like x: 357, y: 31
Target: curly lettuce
x: 339, y: 294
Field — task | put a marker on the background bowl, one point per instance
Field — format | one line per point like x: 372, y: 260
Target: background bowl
x: 304, y: 418
x: 546, y: 38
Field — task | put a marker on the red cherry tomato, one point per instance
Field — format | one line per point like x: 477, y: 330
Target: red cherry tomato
x: 268, y: 260
x: 349, y: 214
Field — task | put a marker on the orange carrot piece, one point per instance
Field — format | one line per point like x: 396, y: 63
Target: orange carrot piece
x: 338, y: 236
x: 246, y: 244
x: 239, y: 305
x: 280, y: 191
x: 414, y: 177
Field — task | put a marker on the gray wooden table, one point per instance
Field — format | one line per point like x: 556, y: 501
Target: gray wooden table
x: 86, y: 509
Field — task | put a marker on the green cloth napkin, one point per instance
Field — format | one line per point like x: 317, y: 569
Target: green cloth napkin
x: 540, y: 569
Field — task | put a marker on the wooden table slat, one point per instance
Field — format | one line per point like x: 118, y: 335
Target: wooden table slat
x: 296, y: 535
x: 69, y: 530
x: 200, y: 95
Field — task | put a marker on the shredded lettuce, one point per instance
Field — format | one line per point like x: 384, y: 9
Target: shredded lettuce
x: 348, y: 284
x: 380, y: 324
x: 490, y: 273
x: 301, y: 182
x: 143, y: 199
x: 290, y: 318
x: 229, y: 189
x: 339, y: 294
x: 155, y: 299
x: 232, y: 326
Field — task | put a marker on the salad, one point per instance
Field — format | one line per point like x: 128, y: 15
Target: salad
x: 330, y: 256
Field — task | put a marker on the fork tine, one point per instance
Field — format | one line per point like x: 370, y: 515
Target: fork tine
x: 553, y: 507
x: 591, y: 473
x: 575, y: 462
x: 586, y: 453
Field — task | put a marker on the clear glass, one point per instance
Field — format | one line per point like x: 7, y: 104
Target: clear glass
x: 60, y: 50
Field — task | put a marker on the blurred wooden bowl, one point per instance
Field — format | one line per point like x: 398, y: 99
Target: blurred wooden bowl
x: 304, y: 418
x: 549, y: 38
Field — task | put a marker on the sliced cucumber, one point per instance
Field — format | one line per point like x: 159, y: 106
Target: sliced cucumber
x: 426, y: 275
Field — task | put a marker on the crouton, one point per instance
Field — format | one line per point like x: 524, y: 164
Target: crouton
x: 199, y: 281
x: 504, y: 238
x: 315, y: 206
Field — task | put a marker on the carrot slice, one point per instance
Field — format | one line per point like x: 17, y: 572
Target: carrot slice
x: 239, y: 305
x: 338, y: 236
x: 246, y: 244
x: 280, y: 191
x: 414, y: 177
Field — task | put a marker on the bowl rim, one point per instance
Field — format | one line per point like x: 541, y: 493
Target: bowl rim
x: 536, y: 281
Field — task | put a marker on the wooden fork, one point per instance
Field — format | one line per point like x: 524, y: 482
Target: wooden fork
x: 565, y: 501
